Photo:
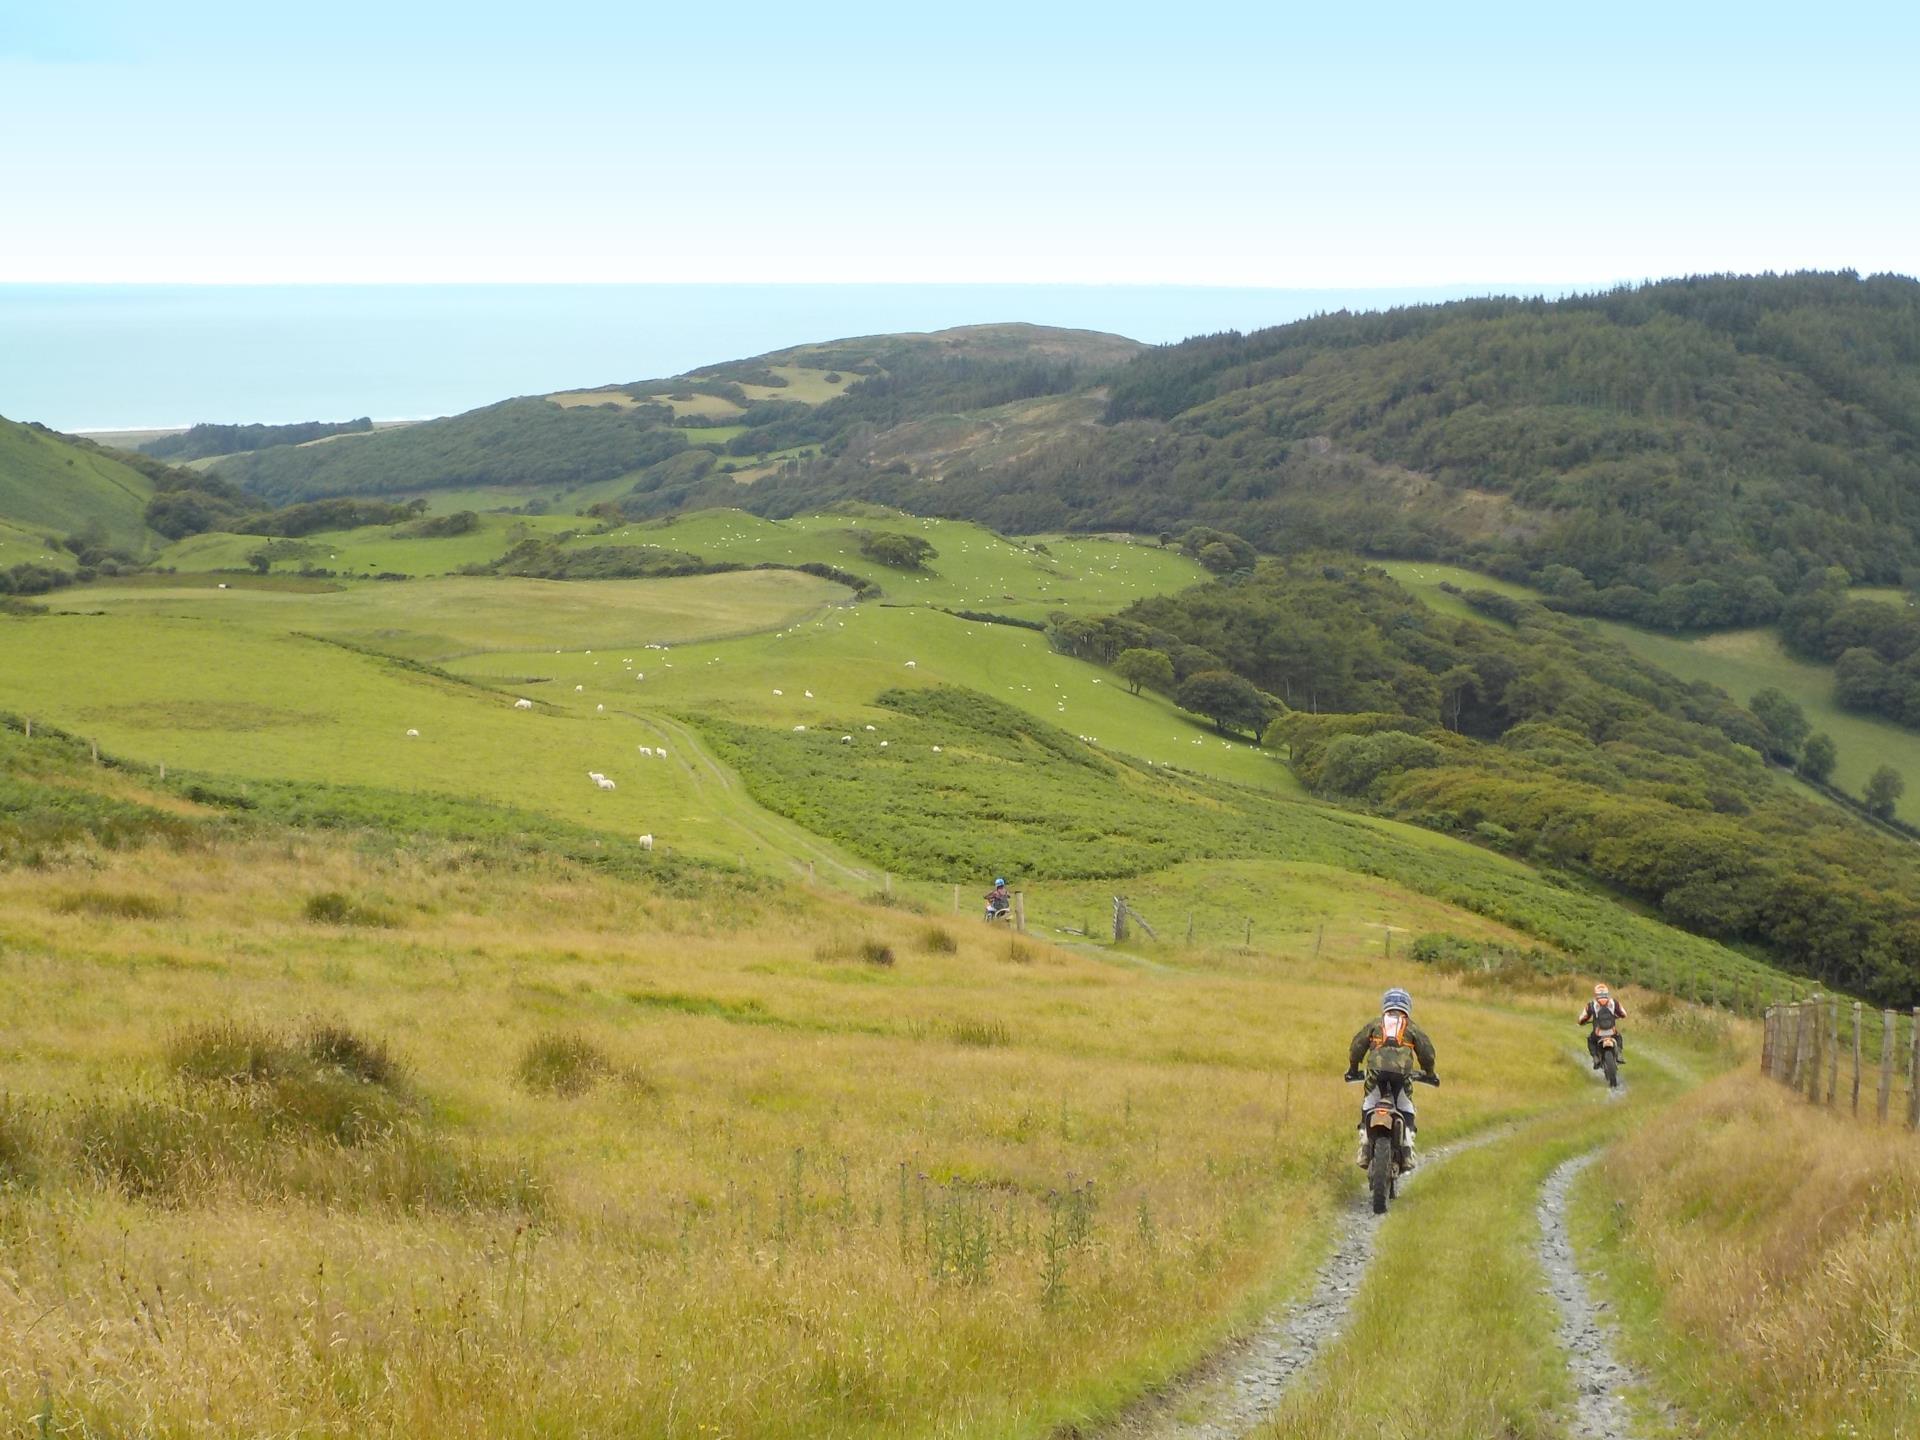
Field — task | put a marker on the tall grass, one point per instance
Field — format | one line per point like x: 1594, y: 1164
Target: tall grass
x: 1769, y: 1253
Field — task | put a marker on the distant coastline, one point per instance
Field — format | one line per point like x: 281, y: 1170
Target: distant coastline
x: 162, y: 357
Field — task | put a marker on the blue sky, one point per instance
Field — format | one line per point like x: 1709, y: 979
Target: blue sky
x: 1275, y: 144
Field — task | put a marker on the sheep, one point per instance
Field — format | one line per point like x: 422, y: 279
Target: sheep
x: 223, y: 584
x: 599, y: 707
x: 413, y: 734
x: 600, y: 780
x: 523, y: 704
x: 647, y: 750
x: 883, y: 744
x: 870, y: 727
x: 646, y: 842
x: 639, y: 674
x: 936, y: 749
x: 798, y: 728
x: 809, y: 694
x: 846, y: 739
x: 780, y: 692
x: 579, y: 689
x: 911, y: 665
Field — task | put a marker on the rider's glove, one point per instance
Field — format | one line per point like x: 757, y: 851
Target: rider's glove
x: 1433, y: 1077
x: 1352, y: 1075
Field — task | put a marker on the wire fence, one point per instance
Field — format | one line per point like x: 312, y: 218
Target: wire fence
x: 1831, y: 1050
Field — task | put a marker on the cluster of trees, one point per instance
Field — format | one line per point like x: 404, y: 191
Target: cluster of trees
x: 201, y: 441
x: 525, y: 442
x: 189, y: 503
x: 1874, y: 648
x: 1559, y: 745
x: 893, y: 549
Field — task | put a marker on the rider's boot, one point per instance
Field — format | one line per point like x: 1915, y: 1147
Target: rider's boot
x: 1409, y: 1150
x: 1365, y: 1151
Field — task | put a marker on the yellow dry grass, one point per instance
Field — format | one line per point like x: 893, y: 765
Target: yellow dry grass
x: 846, y: 1171
x: 1772, y: 1250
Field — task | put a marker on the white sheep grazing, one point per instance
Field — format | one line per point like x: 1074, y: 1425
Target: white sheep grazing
x: 661, y: 753
x: 599, y: 707
x: 809, y: 694
x: 883, y: 744
x: 869, y: 727
x: 779, y: 692
x: 579, y: 689
x: 798, y: 728
x: 910, y: 664
x: 639, y: 674
x: 523, y: 704
x: 413, y: 734
x: 846, y: 739
x: 647, y: 750
x: 936, y: 749
x: 595, y: 776
x: 223, y: 584
x: 646, y: 842
x: 604, y: 783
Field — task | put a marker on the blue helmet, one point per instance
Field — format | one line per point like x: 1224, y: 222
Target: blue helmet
x: 1397, y: 999
x: 999, y: 879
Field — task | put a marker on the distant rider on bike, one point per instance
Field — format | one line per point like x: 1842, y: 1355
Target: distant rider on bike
x: 1393, y: 1032
x: 1604, y: 1014
x: 998, y: 900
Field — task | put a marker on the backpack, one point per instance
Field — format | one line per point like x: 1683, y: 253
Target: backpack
x: 1605, y: 1017
x: 1392, y: 1053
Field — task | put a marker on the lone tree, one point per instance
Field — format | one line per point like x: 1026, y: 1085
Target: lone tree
x: 1785, y: 723
x: 902, y: 552
x: 1226, y: 699
x: 1884, y: 789
x: 1151, y: 668
x: 1818, y: 757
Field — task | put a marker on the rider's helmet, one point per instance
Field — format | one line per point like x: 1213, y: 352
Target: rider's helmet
x: 1397, y: 999
x: 1601, y: 992
x: 999, y: 879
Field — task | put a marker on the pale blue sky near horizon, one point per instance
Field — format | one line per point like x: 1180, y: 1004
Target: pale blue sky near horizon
x: 1274, y: 145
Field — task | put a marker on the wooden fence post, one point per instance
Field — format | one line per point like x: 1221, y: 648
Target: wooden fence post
x: 1797, y: 1077
x: 1189, y: 927
x: 1119, y: 919
x: 1766, y: 1043
x: 1249, y: 932
x: 163, y: 770
x: 1856, y: 1057
x: 886, y: 881
x: 1913, y: 1076
x: 29, y: 720
x: 956, y: 899
x: 809, y: 872
x: 1319, y: 939
x: 1833, y: 1048
x: 1020, y: 911
x: 1886, y: 1061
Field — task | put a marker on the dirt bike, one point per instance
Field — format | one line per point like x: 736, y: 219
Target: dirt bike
x: 1608, y: 1044
x: 999, y: 912
x: 1387, y: 1133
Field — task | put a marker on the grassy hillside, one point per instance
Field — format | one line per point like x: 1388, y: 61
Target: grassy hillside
x: 761, y: 409
x: 52, y: 485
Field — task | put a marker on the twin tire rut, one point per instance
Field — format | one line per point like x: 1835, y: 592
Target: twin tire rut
x: 1242, y: 1386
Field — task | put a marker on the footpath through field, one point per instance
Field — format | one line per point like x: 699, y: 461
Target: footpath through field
x: 1464, y: 1306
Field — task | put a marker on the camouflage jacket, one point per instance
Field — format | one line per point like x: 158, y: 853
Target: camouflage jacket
x: 1363, y: 1042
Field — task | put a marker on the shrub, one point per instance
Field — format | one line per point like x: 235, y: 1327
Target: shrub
x: 332, y: 907
x: 108, y: 904
x: 562, y: 1064
x: 937, y: 940
x: 981, y: 1034
x: 875, y: 952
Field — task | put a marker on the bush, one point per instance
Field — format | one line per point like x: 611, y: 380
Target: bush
x: 562, y: 1064
x: 120, y: 905
x: 938, y: 940
x: 332, y: 907
x: 875, y: 952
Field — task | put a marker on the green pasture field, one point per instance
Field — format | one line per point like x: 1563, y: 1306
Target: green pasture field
x: 711, y: 434
x: 438, y: 620
x: 1741, y: 662
x: 23, y: 546
x: 371, y: 549
x: 975, y: 569
x: 50, y: 485
x: 848, y: 656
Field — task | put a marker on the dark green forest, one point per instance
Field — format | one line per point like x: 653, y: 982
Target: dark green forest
x: 1554, y: 744
x: 201, y: 441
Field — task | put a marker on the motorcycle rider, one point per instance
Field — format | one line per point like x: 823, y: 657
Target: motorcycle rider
x: 998, y: 900
x: 1394, y: 1029
x: 1604, y: 1014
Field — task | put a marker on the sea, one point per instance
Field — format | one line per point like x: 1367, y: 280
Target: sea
x: 128, y: 357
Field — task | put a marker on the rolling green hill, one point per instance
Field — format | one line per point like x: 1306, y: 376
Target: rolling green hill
x: 51, y: 484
